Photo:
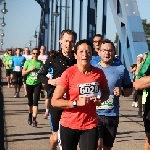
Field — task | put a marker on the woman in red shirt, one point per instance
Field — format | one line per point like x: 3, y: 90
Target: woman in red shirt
x: 81, y: 83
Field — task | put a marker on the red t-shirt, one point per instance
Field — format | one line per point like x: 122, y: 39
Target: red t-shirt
x: 76, y: 83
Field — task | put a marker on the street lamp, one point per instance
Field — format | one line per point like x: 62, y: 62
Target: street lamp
x: 2, y: 34
x: 1, y: 42
x: 4, y: 10
x: 3, y: 23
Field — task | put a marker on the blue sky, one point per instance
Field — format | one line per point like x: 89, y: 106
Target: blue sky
x: 24, y: 16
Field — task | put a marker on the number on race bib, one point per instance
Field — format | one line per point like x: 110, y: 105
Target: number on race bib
x: 17, y: 68
x: 89, y: 89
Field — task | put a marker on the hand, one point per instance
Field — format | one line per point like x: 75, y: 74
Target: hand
x: 54, y: 82
x: 117, y: 91
x: 32, y: 68
x: 83, y: 101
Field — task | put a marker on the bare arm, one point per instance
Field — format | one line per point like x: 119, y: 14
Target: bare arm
x: 58, y: 101
x: 26, y: 71
x: 105, y: 95
x: 142, y: 83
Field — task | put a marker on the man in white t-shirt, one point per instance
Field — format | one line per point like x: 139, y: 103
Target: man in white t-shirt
x: 43, y: 58
x: 26, y: 54
x: 42, y: 55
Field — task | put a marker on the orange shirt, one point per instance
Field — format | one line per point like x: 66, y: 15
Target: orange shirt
x: 77, y: 83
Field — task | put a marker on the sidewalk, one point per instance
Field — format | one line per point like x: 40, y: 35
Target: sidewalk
x: 20, y: 136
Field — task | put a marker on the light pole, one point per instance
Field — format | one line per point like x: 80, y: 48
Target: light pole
x: 3, y: 23
x: 56, y: 14
x: 2, y: 34
x: 4, y: 10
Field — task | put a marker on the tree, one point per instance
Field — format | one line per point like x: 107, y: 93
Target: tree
x: 146, y: 27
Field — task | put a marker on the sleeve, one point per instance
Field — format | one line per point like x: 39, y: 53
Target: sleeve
x: 103, y: 81
x: 25, y: 66
x: 64, y: 80
x: 126, y: 82
x: 44, y: 70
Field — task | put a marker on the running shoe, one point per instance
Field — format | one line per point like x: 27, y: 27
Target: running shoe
x: 139, y: 114
x: 45, y: 115
x: 16, y: 94
x: 136, y: 104
x: 133, y: 104
x: 34, y: 123
x: 30, y: 120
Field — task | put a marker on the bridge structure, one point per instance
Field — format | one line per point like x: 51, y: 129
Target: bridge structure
x: 88, y: 17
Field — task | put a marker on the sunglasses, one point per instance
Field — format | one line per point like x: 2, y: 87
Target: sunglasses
x: 35, y: 53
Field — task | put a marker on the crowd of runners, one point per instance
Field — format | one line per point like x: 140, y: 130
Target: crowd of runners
x: 81, y: 84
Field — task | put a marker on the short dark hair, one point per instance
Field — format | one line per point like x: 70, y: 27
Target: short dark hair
x: 70, y: 32
x: 98, y: 35
x: 19, y: 49
x: 81, y: 42
x: 108, y: 41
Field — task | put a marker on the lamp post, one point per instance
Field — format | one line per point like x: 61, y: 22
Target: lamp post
x: 3, y: 23
x: 4, y: 10
x: 2, y: 34
x: 56, y: 14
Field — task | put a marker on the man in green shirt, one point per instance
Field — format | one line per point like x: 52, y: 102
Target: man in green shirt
x: 8, y: 65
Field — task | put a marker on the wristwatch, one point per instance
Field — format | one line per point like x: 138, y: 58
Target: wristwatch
x: 74, y: 103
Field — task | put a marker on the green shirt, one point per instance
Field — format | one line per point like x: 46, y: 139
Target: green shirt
x: 8, y: 61
x: 32, y: 76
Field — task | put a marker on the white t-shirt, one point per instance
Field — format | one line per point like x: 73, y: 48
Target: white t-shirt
x: 42, y: 58
x: 27, y: 57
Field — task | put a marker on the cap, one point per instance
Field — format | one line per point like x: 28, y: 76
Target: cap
x: 140, y: 55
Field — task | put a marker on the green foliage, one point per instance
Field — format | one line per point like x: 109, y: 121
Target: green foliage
x: 146, y: 27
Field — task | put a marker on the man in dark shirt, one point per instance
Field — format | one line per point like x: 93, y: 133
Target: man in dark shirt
x: 59, y: 62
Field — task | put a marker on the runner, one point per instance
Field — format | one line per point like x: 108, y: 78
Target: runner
x: 30, y: 69
x: 17, y: 63
x: 27, y: 57
x: 118, y: 77
x: 8, y: 65
x: 81, y: 83
x: 59, y: 62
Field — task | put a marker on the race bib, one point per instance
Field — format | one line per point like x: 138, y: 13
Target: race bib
x: 34, y: 75
x: 49, y: 76
x: 109, y: 104
x: 10, y: 62
x: 89, y: 89
x: 17, y: 68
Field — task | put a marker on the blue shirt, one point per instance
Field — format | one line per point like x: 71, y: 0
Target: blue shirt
x: 117, y: 75
x: 17, y: 63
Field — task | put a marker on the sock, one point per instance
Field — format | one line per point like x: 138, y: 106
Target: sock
x: 47, y: 110
x: 30, y: 115
x: 34, y: 118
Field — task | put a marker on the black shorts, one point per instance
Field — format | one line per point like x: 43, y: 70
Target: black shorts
x: 146, y: 121
x: 107, y: 127
x: 8, y: 72
x: 17, y: 78
x: 87, y: 139
x: 139, y: 92
x: 24, y: 79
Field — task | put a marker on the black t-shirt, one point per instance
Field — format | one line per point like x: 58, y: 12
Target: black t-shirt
x: 59, y: 63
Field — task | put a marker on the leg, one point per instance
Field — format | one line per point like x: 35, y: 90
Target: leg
x: 140, y: 105
x: 25, y: 88
x: 55, y: 115
x: 110, y: 132
x: 15, y: 82
x: 101, y: 128
x: 147, y: 131
x: 37, y: 90
x: 69, y: 138
x: 86, y: 142
x: 30, y: 90
x: 47, y: 108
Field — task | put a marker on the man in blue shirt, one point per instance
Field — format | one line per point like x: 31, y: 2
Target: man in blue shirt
x: 17, y: 63
x: 118, y: 77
